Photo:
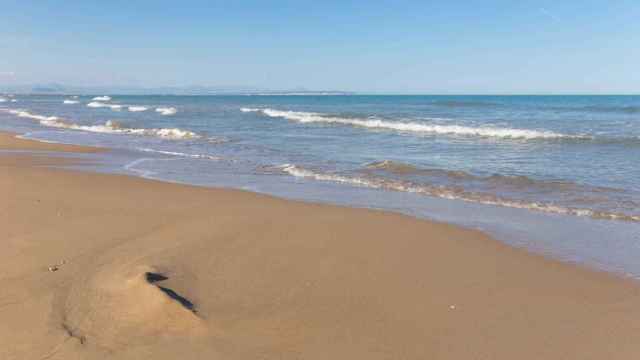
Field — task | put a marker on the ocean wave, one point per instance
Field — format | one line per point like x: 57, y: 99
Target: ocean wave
x: 458, y: 103
x: 392, y: 166
x: 414, y: 127
x: 614, y: 109
x: 14, y: 100
x: 70, y: 102
x: 396, y: 167
x: 451, y: 193
x: 179, y: 154
x: 3, y: 100
x: 26, y: 114
x: 623, y: 109
x: 166, y: 110
x: 97, y: 104
x: 102, y: 98
x: 115, y: 107
x: 135, y: 108
x: 494, y: 181
x: 322, y: 93
x: 110, y: 127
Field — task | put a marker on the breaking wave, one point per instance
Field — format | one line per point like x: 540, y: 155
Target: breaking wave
x: 110, y: 127
x: 452, y: 193
x: 70, y: 102
x: 115, y: 107
x: 414, y: 127
x: 102, y: 98
x: 166, y: 110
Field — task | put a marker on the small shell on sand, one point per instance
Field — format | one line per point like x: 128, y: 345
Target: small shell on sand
x: 56, y: 267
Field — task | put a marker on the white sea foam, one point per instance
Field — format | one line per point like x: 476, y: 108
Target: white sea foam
x: 179, y: 154
x: 166, y: 110
x: 70, y: 102
x: 102, y: 98
x: 135, y: 108
x: 97, y: 104
x: 29, y: 136
x: 143, y: 173
x: 26, y: 114
x: 414, y: 127
x: 110, y: 127
x: 115, y: 107
x: 452, y: 194
x: 14, y: 100
x: 3, y: 100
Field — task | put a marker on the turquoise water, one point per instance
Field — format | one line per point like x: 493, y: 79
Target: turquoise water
x: 557, y: 174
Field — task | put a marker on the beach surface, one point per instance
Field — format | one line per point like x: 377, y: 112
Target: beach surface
x: 97, y: 266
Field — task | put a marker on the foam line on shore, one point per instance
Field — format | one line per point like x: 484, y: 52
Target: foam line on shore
x: 450, y: 193
x: 109, y: 127
x: 180, y: 154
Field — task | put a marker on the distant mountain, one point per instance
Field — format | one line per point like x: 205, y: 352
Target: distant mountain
x: 176, y: 90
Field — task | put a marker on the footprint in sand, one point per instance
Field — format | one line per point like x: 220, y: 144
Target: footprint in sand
x: 116, y: 307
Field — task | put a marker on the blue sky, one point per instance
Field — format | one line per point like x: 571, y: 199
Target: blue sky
x: 491, y: 46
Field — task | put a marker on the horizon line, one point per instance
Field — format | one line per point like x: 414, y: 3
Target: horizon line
x: 310, y: 93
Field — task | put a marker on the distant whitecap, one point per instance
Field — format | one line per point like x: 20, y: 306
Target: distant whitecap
x: 135, y: 108
x: 166, y: 110
x: 97, y: 104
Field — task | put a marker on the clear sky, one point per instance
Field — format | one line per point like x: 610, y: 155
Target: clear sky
x: 418, y: 46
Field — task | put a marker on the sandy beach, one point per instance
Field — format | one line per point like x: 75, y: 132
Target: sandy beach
x: 97, y: 266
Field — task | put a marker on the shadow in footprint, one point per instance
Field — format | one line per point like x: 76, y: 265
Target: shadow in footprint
x: 155, y: 277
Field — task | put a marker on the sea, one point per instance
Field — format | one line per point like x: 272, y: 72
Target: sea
x: 557, y: 175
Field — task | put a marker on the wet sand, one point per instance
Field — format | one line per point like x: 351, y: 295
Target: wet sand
x: 97, y: 266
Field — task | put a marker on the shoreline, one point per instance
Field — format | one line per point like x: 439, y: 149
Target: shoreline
x: 527, y: 247
x: 15, y: 141
x: 275, y: 278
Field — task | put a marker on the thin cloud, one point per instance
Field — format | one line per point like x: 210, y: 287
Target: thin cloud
x: 549, y: 14
x: 7, y: 73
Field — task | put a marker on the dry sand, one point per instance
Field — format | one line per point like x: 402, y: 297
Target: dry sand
x: 151, y: 270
